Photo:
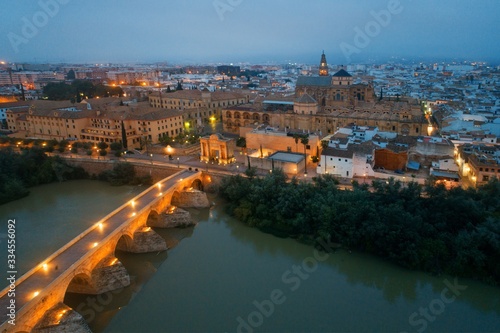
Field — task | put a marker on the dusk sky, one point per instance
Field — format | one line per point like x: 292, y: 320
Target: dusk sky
x: 203, y: 31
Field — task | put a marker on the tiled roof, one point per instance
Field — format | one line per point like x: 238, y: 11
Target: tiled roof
x: 306, y: 99
x: 337, y: 152
x: 13, y: 104
x: 318, y: 81
x: 342, y: 73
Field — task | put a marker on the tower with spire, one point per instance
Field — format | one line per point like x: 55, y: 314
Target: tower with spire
x: 323, y: 66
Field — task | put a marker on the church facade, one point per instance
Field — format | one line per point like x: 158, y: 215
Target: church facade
x: 326, y: 102
x: 337, y: 90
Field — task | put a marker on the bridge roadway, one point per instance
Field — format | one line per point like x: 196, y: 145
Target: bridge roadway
x: 40, y: 277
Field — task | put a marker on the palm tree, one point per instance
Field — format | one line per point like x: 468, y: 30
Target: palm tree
x: 296, y: 137
x: 305, y: 140
x: 324, y: 145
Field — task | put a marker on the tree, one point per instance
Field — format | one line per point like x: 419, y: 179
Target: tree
x: 58, y: 91
x: 124, y: 136
x: 179, y: 85
x: 324, y: 144
x: 305, y: 140
x: 102, y: 145
x: 296, y: 137
x: 70, y: 75
x: 241, y: 142
x: 115, y: 146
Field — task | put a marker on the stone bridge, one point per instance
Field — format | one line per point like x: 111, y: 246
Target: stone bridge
x: 87, y: 264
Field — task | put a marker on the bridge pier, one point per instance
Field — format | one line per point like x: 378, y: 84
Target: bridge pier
x: 190, y: 198
x: 110, y: 275
x: 145, y: 240
x: 173, y: 217
x: 61, y: 318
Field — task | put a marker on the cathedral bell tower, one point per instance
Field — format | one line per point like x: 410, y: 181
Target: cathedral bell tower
x: 323, y: 66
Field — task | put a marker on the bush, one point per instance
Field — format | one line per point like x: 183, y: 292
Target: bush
x: 122, y: 174
x: 102, y: 145
x: 115, y: 146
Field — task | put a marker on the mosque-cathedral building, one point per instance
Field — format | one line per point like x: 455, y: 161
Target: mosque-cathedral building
x: 324, y: 103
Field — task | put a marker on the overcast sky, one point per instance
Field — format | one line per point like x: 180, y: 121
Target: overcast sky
x: 202, y: 31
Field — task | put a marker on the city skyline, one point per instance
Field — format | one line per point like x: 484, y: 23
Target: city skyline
x: 243, y: 31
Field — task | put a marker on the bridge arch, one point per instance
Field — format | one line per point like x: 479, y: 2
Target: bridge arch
x: 197, y: 185
x: 124, y: 243
x: 175, y: 198
x: 153, y: 218
x: 81, y: 284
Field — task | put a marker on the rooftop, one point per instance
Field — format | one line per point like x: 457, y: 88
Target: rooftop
x: 286, y: 157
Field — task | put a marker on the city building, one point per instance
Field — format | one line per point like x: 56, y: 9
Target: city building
x: 97, y: 120
x: 478, y: 163
x: 10, y: 106
x: 197, y: 106
x: 325, y: 103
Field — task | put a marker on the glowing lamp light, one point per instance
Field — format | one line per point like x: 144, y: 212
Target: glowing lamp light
x: 36, y: 293
x: 45, y: 267
x: 134, y: 214
x: 95, y: 244
x: 132, y: 203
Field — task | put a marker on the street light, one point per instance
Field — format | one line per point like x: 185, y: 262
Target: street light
x: 151, y: 156
x: 178, y: 166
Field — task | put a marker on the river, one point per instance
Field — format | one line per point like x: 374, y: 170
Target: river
x: 222, y: 276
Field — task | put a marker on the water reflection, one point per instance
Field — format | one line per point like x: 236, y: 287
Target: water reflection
x: 394, y: 282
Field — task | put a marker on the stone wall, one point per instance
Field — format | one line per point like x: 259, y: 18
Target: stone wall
x: 96, y: 167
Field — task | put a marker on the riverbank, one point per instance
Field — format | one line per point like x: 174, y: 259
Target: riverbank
x: 455, y: 232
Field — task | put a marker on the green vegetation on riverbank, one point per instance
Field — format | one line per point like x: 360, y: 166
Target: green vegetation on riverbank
x: 31, y: 167
x: 455, y: 232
